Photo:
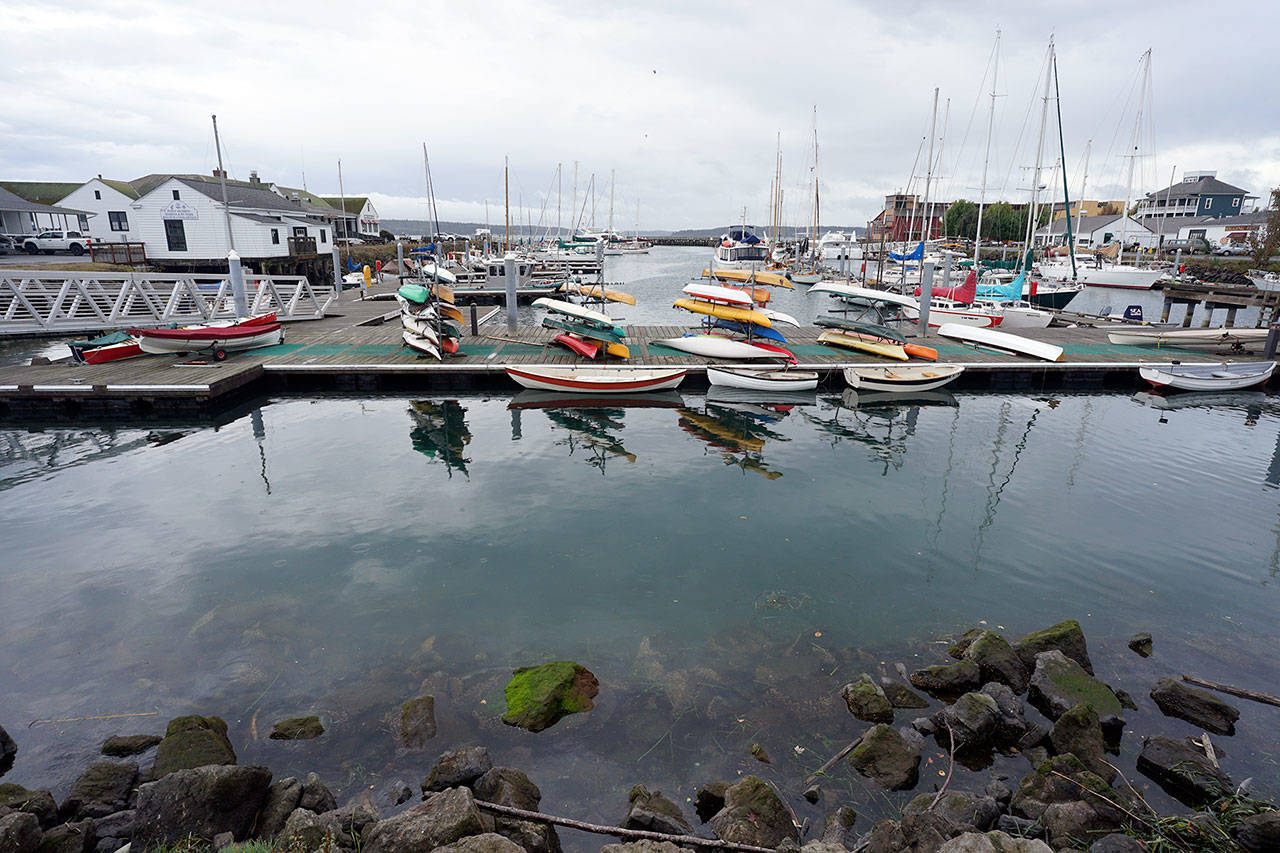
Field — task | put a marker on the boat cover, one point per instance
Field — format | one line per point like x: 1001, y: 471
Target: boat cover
x: 916, y: 254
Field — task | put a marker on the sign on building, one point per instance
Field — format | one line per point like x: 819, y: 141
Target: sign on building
x: 179, y: 210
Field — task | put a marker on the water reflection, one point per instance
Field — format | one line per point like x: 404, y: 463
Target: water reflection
x: 737, y: 425
x: 593, y: 423
x: 441, y: 432
x: 881, y: 421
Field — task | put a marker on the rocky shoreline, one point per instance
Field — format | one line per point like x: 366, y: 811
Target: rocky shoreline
x: 1036, y: 697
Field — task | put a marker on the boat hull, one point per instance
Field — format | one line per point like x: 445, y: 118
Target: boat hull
x: 1130, y: 278
x: 1147, y: 336
x: 598, y: 381
x: 1002, y: 341
x: 718, y: 293
x: 712, y: 346
x: 723, y: 312
x: 208, y: 339
x: 1226, y: 376
x: 763, y: 380
x: 577, y: 345
x: 901, y: 379
x: 886, y: 349
x: 419, y: 344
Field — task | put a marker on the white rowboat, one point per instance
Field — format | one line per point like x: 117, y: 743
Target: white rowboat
x: 717, y: 293
x: 1225, y: 376
x: 1152, y: 336
x: 596, y: 381
x: 907, y: 378
x: 1002, y: 341
x: 763, y: 380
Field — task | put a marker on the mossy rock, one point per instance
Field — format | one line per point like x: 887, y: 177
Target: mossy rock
x: 193, y: 741
x: 122, y: 746
x: 1067, y: 637
x: 960, y: 646
x: 1059, y: 683
x: 298, y: 728
x: 418, y: 721
x: 753, y: 814
x: 867, y: 701
x: 539, y: 696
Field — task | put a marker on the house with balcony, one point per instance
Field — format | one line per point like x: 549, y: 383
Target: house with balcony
x: 1198, y: 194
x: 30, y: 207
x: 361, y: 218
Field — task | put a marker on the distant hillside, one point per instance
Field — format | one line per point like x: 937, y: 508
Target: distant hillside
x: 423, y: 227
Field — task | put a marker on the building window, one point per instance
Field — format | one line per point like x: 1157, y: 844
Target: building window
x: 175, y: 235
x: 275, y: 236
x: 1235, y: 202
x: 1208, y: 203
x: 119, y: 220
x: 175, y: 195
x: 323, y: 238
x: 97, y: 194
x: 83, y: 220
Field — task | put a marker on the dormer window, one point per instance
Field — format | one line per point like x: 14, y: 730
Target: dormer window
x: 97, y: 194
x: 175, y: 195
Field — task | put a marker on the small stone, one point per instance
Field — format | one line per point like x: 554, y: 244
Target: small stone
x: 813, y: 793
x: 837, y: 825
x: 508, y: 786
x: 1176, y: 699
x: 103, y: 788
x: 1117, y: 842
x: 193, y: 741
x: 298, y: 728
x: 1183, y: 770
x: 123, y: 746
x: 1259, y: 832
x: 418, y: 721
x: 39, y: 803
x: 972, y: 720
x: 997, y: 661
x: 902, y: 696
x: 315, y: 796
x: 69, y: 838
x: 20, y: 832
x: 655, y: 813
x: 223, y: 840
x: 758, y: 753
x: 867, y: 701
x: 1079, y: 733
x: 1141, y: 644
x: 945, y: 680
x: 458, y: 767
x: 961, y: 645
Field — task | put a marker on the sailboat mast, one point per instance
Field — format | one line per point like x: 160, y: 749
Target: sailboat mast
x: 986, y: 159
x: 1062, y: 155
x: 506, y: 203
x: 813, y: 240
x: 559, y: 198
x: 575, y: 198
x: 612, y: 172
x: 1133, y: 152
x: 928, y: 181
x: 222, y: 179
x: 1035, y: 180
x: 1088, y: 149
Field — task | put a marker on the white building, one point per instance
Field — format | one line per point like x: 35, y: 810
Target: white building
x: 362, y: 218
x: 109, y: 202
x: 181, y: 217
x: 1092, y: 232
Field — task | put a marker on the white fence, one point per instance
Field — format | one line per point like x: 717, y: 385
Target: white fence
x: 32, y: 301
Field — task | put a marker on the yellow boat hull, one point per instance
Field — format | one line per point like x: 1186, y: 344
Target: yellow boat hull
x: 595, y: 290
x: 616, y: 350
x: 443, y: 291
x: 447, y: 310
x: 882, y: 348
x: 724, y: 312
x: 772, y: 279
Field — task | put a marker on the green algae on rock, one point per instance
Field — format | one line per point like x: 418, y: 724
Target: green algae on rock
x: 298, y: 728
x: 539, y: 696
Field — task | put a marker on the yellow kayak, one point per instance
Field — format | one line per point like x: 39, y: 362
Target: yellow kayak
x: 447, y: 310
x: 772, y: 279
x: 595, y: 289
x: 443, y: 291
x: 888, y: 350
x: 615, y: 349
x: 724, y: 312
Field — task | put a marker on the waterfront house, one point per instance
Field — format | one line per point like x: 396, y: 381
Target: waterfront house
x: 108, y: 201
x: 1198, y: 194
x: 1088, y: 208
x: 361, y: 220
x: 904, y: 219
x: 27, y: 207
x: 1092, y: 232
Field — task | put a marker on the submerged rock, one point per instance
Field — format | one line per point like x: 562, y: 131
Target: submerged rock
x: 753, y: 814
x: 123, y: 746
x: 837, y: 825
x: 655, y: 813
x: 418, y: 721
x: 972, y: 720
x: 193, y: 741
x: 1183, y: 770
x: 1175, y: 699
x: 1141, y: 644
x: 444, y: 818
x: 888, y: 758
x: 8, y: 749
x: 961, y: 645
x: 298, y: 728
x: 103, y: 788
x: 1060, y: 683
x: 39, y: 803
x: 1065, y: 637
x: 867, y: 701
x: 458, y: 767
x: 948, y: 679
x: 1079, y: 733
x: 902, y: 696
x: 539, y: 696
x: 997, y: 661
x: 201, y: 801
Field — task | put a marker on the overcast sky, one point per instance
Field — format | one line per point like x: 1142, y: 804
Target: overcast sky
x: 684, y: 100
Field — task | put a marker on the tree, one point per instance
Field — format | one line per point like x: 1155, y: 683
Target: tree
x: 1001, y: 222
x: 961, y: 219
x: 1265, y: 242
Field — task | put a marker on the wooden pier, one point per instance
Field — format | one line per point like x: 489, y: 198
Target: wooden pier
x: 359, y: 349
x: 1221, y: 296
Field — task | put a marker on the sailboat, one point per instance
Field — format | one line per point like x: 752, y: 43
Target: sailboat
x: 810, y: 272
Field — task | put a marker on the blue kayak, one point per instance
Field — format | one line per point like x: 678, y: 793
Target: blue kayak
x: 756, y: 331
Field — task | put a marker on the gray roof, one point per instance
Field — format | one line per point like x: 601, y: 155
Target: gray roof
x: 258, y: 217
x: 254, y: 196
x: 1079, y: 225
x: 1204, y: 186
x: 1171, y: 224
x: 9, y: 201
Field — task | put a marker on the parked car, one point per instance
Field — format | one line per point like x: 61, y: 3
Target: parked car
x: 1232, y: 249
x: 56, y: 241
x: 1192, y: 246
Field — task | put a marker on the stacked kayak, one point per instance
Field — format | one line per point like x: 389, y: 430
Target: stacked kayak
x: 432, y: 323
x: 582, y: 330
x: 735, y: 328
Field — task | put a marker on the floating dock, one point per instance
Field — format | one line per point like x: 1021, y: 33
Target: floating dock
x: 358, y: 348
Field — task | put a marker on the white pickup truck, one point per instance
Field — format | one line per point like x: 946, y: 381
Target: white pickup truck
x: 53, y: 241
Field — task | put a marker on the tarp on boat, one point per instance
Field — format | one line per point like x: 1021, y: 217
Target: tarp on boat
x: 916, y: 254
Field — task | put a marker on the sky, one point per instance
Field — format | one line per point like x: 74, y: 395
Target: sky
x: 685, y: 103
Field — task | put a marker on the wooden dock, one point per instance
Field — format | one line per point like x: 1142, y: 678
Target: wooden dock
x: 358, y: 348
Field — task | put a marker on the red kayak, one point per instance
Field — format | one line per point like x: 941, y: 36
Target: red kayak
x: 782, y: 351
x: 578, y: 345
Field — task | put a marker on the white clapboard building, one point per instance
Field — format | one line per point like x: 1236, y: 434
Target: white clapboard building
x: 108, y: 203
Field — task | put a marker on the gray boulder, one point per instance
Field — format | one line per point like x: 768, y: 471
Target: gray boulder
x: 8, y: 750
x: 927, y: 831
x: 458, y: 767
x: 948, y: 679
x: 193, y: 741
x: 1259, y: 832
x: 445, y: 817
x: 997, y: 661
x: 993, y: 842
x: 972, y: 719
x: 487, y: 842
x: 38, y: 803
x: 202, y: 801
x: 418, y: 721
x: 902, y: 696
x: 961, y: 645
x: 886, y: 837
x: 283, y: 797
x: 507, y: 786
x: 1141, y: 644
x: 1117, y: 842
x: 118, y: 825
x: 655, y: 813
x: 305, y: 831
x: 837, y: 826
x: 1065, y: 637
x: 350, y: 823
x: 20, y: 832
x: 1176, y: 699
x: 297, y: 728
x: 1059, y: 684
x: 1066, y: 823
x: 867, y: 701
x: 123, y: 746
x: 887, y: 757
x: 76, y: 837
x: 753, y: 814
x: 1183, y: 770
x: 645, y: 846
x: 314, y: 796
x: 1011, y: 725
x: 1045, y: 786
x: 103, y: 788
x: 965, y: 810
x: 532, y: 836
x: 1079, y: 733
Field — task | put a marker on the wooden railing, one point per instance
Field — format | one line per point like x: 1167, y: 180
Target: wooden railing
x: 118, y: 253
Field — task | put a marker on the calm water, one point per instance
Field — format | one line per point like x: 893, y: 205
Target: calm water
x: 723, y: 566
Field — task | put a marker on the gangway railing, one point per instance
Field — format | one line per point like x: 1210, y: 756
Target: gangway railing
x: 36, y: 301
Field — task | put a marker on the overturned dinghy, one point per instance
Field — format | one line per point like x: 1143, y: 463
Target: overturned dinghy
x: 1001, y: 341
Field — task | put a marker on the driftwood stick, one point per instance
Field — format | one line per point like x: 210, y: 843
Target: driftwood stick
x: 600, y: 829
x: 98, y: 717
x: 951, y: 763
x: 1255, y: 695
x: 813, y: 777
